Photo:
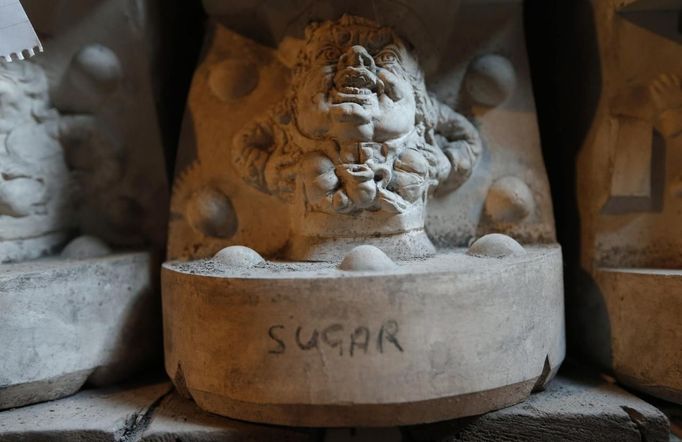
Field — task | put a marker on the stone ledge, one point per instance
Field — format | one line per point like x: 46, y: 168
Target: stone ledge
x: 179, y: 419
x: 102, y: 414
x: 576, y: 406
x: 153, y: 412
x: 573, y: 408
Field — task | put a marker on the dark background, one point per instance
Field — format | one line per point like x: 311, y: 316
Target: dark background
x: 562, y: 49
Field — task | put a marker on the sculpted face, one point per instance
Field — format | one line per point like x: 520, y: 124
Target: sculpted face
x: 356, y: 134
x: 355, y: 84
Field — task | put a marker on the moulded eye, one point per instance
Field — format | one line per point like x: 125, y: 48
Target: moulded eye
x: 329, y: 54
x: 386, y: 57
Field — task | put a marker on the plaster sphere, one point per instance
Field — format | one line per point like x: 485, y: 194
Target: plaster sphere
x: 84, y: 247
x: 232, y: 79
x: 366, y: 258
x: 238, y: 256
x: 210, y: 212
x: 496, y: 245
x: 98, y: 66
x: 509, y: 200
x: 490, y: 80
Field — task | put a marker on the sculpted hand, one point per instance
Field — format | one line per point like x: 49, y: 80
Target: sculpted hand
x: 358, y: 181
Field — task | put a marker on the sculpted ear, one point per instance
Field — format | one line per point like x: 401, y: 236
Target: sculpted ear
x: 426, y: 104
x: 461, y: 143
x: 252, y: 147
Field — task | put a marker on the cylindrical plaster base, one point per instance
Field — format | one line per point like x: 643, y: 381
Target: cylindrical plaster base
x: 306, y: 344
x: 644, y: 311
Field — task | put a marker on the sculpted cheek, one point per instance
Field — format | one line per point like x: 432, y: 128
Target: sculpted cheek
x: 325, y: 80
x: 313, y: 103
x: 394, y: 122
x: 312, y: 115
x: 317, y: 81
x: 396, y: 88
x: 397, y: 107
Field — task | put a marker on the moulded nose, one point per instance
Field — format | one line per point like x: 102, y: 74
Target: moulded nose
x: 357, y: 56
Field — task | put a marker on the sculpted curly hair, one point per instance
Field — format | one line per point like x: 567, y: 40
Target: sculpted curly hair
x: 28, y: 92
